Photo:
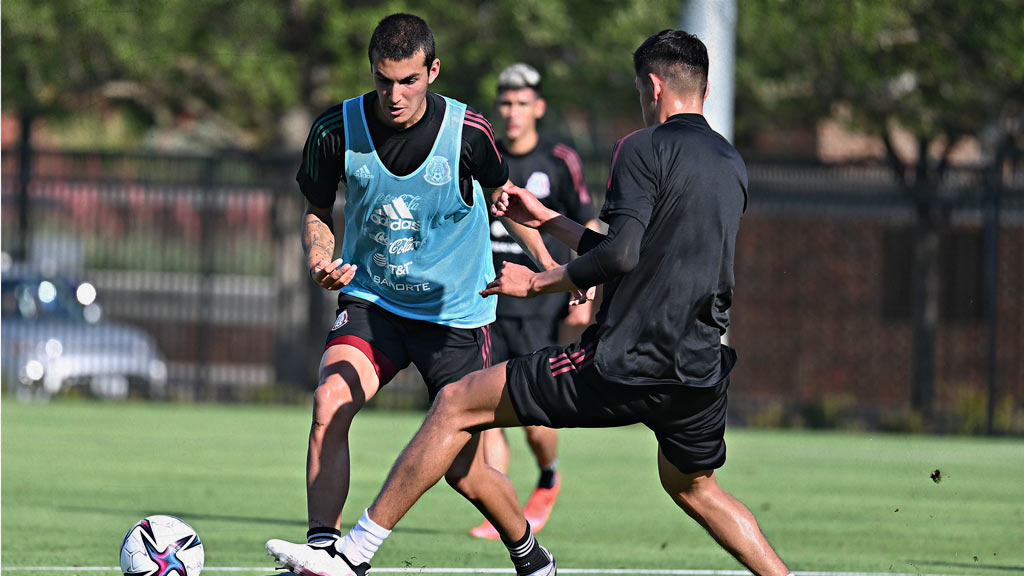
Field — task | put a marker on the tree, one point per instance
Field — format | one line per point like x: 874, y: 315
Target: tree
x: 213, y: 60
x: 255, y: 70
x: 941, y: 69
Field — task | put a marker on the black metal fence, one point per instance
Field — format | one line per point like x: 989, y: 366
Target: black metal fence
x: 203, y: 254
x: 831, y: 317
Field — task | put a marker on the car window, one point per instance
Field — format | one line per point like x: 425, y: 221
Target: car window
x: 40, y: 300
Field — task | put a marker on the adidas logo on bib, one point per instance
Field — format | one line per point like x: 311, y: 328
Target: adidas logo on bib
x: 364, y: 173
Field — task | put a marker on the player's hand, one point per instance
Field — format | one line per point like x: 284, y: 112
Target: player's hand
x: 521, y: 206
x: 513, y: 280
x: 332, y: 275
x: 579, y: 297
x: 580, y: 312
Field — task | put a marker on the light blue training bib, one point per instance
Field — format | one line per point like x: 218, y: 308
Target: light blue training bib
x: 421, y: 251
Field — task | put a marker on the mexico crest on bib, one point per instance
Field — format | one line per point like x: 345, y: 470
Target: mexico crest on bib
x: 438, y: 172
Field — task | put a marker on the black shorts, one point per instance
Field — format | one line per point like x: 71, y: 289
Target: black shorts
x: 441, y: 353
x: 513, y: 336
x: 559, y: 387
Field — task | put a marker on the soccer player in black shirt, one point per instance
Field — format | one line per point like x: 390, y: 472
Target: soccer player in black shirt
x: 553, y: 173
x: 676, y: 194
x: 415, y: 253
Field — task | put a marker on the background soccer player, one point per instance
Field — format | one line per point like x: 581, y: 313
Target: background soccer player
x: 415, y: 254
x: 676, y: 195
x: 553, y: 173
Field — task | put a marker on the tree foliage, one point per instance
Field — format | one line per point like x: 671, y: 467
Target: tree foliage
x: 941, y: 69
x: 244, y: 65
x: 214, y: 60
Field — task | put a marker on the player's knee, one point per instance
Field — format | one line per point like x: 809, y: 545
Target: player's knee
x: 690, y: 491
x: 448, y: 396
x: 334, y: 401
x: 449, y: 406
x: 539, y: 436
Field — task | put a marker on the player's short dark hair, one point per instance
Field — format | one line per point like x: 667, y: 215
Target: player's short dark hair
x: 400, y: 36
x: 677, y: 56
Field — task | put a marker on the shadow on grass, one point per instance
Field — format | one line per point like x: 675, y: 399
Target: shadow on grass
x: 193, y: 515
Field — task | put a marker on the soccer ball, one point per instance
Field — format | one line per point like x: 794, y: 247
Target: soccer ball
x: 161, y: 545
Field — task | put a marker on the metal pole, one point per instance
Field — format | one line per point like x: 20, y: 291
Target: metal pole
x: 990, y: 264
x: 207, y: 205
x: 714, y: 22
x: 24, y: 178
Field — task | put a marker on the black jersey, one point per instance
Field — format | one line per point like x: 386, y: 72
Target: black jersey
x: 554, y: 173
x: 662, y: 322
x: 401, y: 151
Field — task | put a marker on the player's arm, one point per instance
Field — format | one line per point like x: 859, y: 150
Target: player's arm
x: 317, y: 235
x: 489, y: 169
x: 318, y: 178
x: 603, y: 257
x: 628, y: 207
x: 632, y: 189
x: 528, y: 239
x: 520, y: 206
x: 318, y: 244
x: 579, y: 206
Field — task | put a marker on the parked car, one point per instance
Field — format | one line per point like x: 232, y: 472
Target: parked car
x: 54, y: 338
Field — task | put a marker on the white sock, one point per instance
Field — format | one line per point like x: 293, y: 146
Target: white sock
x: 361, y: 543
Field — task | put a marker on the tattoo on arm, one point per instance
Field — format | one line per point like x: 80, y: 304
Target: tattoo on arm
x: 318, y: 234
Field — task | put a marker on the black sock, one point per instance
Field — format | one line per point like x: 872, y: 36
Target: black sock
x: 547, y: 476
x: 526, y: 554
x: 322, y: 533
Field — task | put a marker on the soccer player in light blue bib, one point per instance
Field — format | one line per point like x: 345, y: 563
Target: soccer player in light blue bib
x: 414, y: 258
x: 420, y: 249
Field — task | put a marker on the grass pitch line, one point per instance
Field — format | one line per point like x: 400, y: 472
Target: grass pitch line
x: 644, y: 572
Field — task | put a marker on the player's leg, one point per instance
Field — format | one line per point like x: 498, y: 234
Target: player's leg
x: 525, y: 389
x: 461, y: 353
x: 494, y: 441
x: 690, y: 426
x: 363, y: 353
x: 347, y: 381
x: 541, y: 332
x: 476, y: 402
x: 502, y: 335
x: 728, y: 521
x: 543, y: 443
x: 495, y: 448
x: 447, y: 445
x: 488, y: 490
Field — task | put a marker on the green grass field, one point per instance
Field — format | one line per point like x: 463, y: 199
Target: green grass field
x: 77, y: 475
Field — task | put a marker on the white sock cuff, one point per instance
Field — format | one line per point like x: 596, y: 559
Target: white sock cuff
x: 367, y: 523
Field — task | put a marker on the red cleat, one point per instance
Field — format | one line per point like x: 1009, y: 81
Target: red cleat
x: 539, y: 506
x: 485, y: 531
